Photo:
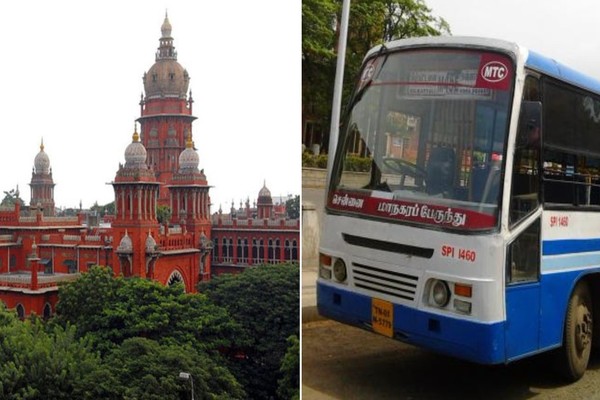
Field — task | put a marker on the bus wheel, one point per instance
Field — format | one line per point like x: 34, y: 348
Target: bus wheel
x: 574, y: 354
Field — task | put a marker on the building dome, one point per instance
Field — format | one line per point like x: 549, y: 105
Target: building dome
x: 150, y: 244
x: 264, y: 192
x: 41, y: 162
x: 135, y: 153
x: 166, y: 78
x: 126, y: 245
x: 188, y: 159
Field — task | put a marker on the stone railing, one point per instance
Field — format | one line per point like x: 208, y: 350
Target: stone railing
x: 6, y: 238
x: 23, y: 279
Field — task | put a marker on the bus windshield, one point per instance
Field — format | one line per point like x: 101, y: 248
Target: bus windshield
x: 424, y: 139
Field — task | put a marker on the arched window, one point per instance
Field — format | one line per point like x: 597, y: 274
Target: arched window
x: 227, y: 249
x: 258, y: 251
x: 20, y: 311
x: 175, y: 278
x: 288, y: 250
x: 215, y: 252
x: 294, y: 251
x: 47, y: 311
x: 277, y: 245
x: 230, y: 250
x: 242, y: 251
x: 271, y: 252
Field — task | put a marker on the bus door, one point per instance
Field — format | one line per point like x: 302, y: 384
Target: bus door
x: 523, y: 305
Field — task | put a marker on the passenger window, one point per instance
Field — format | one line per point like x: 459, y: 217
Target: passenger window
x: 524, y: 196
x: 524, y: 256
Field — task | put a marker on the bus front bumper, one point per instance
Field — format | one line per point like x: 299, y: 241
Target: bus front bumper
x: 473, y: 341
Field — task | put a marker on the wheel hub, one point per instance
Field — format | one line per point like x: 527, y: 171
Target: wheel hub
x: 583, y: 328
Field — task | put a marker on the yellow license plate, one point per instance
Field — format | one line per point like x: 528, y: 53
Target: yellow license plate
x: 382, y: 317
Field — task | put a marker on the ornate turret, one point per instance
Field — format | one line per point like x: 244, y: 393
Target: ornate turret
x: 265, y: 202
x: 166, y: 78
x: 166, y: 120
x: 42, y: 184
x: 136, y: 192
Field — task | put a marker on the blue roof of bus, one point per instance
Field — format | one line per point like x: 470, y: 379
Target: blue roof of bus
x: 534, y: 60
x: 553, y: 68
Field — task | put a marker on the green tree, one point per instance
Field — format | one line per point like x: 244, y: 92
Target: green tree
x: 105, y: 209
x: 11, y: 198
x: 371, y: 22
x: 264, y: 300
x: 145, y: 369
x: 41, y: 363
x: 147, y: 333
x: 110, y: 310
x: 163, y: 214
x: 318, y: 56
x: 292, y: 207
x: 289, y: 384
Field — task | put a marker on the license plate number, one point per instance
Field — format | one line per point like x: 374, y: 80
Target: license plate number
x: 382, y: 317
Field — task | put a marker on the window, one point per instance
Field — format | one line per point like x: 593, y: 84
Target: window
x: 20, y: 311
x: 258, y: 251
x: 524, y: 256
x: 175, y: 278
x: 47, y: 311
x: 242, y: 251
x: 571, y: 154
x: 525, y: 179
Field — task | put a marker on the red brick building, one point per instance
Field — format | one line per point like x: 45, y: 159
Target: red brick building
x: 254, y: 235
x: 38, y: 250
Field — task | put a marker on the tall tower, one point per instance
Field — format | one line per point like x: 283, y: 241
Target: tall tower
x: 135, y: 224
x: 190, y: 203
x: 166, y: 112
x: 42, y: 184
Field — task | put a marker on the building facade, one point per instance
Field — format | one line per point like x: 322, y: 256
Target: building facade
x: 39, y: 250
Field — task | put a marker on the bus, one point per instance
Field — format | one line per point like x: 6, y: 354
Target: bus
x: 463, y: 207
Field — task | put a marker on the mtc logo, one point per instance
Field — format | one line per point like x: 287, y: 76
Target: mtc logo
x: 494, y: 71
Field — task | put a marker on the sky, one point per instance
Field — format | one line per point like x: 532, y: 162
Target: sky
x: 72, y: 75
x: 564, y: 31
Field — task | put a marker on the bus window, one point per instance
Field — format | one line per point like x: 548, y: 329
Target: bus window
x: 524, y: 256
x: 524, y: 196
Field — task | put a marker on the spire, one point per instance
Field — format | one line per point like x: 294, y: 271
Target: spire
x: 166, y: 27
x: 136, y: 136
x: 189, y: 144
x: 166, y: 50
x: 42, y: 145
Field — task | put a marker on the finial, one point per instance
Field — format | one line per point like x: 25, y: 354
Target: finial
x: 42, y: 145
x: 189, y: 142
x: 136, y: 136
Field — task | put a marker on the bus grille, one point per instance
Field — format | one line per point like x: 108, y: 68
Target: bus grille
x: 383, y: 281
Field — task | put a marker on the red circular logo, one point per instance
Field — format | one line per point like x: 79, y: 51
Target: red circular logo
x: 494, y: 71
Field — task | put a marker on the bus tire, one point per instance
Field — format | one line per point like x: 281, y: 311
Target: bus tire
x: 574, y: 355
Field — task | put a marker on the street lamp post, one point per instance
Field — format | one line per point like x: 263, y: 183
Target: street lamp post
x: 188, y: 376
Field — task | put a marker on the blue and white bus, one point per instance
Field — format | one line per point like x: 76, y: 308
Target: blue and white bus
x: 474, y: 229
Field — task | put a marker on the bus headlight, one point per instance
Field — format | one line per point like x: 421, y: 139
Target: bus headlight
x: 339, y: 270
x: 440, y: 293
